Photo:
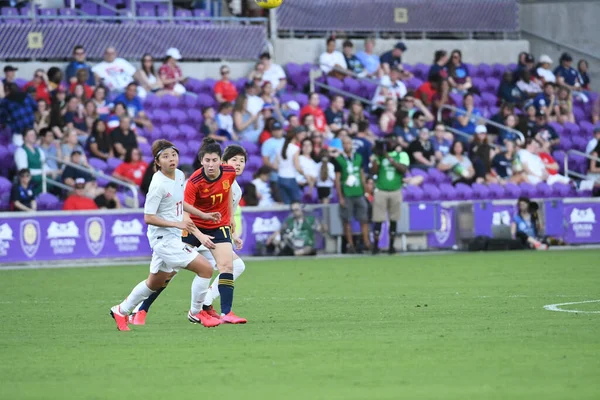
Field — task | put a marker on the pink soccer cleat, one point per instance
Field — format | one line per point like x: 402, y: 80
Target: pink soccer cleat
x: 139, y: 318
x: 119, y: 318
x: 231, y: 318
x: 204, y: 318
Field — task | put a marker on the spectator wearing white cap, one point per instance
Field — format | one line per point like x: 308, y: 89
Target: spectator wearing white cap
x: 114, y: 72
x: 171, y: 74
x: 544, y: 69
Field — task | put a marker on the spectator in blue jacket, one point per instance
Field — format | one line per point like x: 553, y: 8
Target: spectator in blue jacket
x: 78, y: 63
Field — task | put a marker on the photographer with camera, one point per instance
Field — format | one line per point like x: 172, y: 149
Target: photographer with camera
x: 390, y: 165
x: 297, y: 234
x: 526, y: 225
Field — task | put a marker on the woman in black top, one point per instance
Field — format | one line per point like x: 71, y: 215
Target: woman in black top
x: 99, y: 142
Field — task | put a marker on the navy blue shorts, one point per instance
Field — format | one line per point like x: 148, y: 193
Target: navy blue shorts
x: 220, y: 235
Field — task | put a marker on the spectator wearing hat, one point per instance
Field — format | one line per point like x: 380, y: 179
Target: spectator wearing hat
x: 392, y: 58
x: 224, y: 89
x: 134, y: 106
x: 458, y: 73
x: 272, y: 146
x: 78, y: 200
x: 543, y: 69
x: 78, y: 62
x: 38, y: 86
x: 524, y: 63
x: 22, y: 195
x: 352, y: 61
x: 17, y: 111
x: 10, y: 74
x: 332, y: 62
x: 568, y: 77
x: 108, y: 199
x: 369, y: 59
x: 273, y: 73
x: 171, y: 74
x: 114, y: 72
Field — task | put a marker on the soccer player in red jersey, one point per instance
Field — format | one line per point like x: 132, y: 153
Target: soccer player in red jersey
x: 209, y: 190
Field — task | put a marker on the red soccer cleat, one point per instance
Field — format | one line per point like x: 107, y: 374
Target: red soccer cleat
x: 139, y: 318
x: 204, y: 318
x: 211, y: 311
x: 231, y: 318
x: 119, y: 318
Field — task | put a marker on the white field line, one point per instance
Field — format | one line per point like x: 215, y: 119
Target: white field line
x: 556, y: 307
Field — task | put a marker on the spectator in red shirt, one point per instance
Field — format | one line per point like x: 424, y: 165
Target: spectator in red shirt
x: 427, y: 90
x: 133, y: 168
x: 78, y: 200
x: 82, y: 75
x: 38, y: 86
x: 171, y: 74
x: 224, y: 89
x: 312, y: 108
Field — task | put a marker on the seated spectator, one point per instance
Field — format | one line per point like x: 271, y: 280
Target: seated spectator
x: 413, y: 105
x: 51, y: 148
x: 38, y: 86
x: 114, y: 73
x: 114, y: 120
x: 91, y: 114
x: 223, y: 120
x: 563, y: 110
x: 297, y: 234
x: 148, y: 80
x: 22, y: 197
x: 369, y: 59
x: 264, y: 187
x: 55, y: 78
x: 10, y: 75
x: 549, y: 161
x: 78, y: 200
x: 58, y: 108
x: 582, y: 74
x: 71, y: 144
x: 123, y: 138
x: 272, y: 146
x: 332, y: 62
x: 210, y: 127
x: 356, y: 115
x: 255, y: 103
x: 508, y: 91
x: 533, y: 166
x: 594, y: 165
x: 325, y: 178
x: 387, y: 121
x: 256, y: 75
x: 352, y: 61
x: 224, y: 89
x: 421, y: 152
x: 108, y: 199
x: 273, y: 73
x: 567, y: 76
x: 134, y: 106
x: 17, y: 111
x: 266, y: 134
x: 458, y: 165
x: 527, y: 121
x: 441, y: 142
x: 481, y: 155
x: 75, y: 119
x: 467, y: 116
x: 506, y: 167
x: 526, y: 225
x: 80, y: 87
x: 245, y: 124
x: 509, y: 135
x: 440, y: 99
x: 427, y: 90
x: 102, y: 105
x: 41, y: 116
x: 546, y: 101
x: 458, y: 73
x: 133, y: 168
x: 589, y: 149
x: 308, y: 166
x: 312, y: 108
x: 439, y: 71
x: 395, y: 88
x: 334, y: 115
x: 79, y: 92
x: 78, y: 63
x: 544, y: 132
x: 31, y: 157
x: 402, y: 129
x: 529, y: 86
x: 543, y: 69
x: 271, y: 103
x: 393, y: 59
x: 99, y: 143
x: 525, y: 62
x: 71, y: 174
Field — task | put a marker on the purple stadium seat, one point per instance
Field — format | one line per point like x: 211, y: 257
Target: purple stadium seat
x: 457, y: 98
x: 240, y: 84
x: 571, y: 129
x: 498, y: 70
x: 413, y: 193
x: 152, y: 101
x: 489, y: 100
x: 496, y: 191
x: 477, y: 101
x: 559, y: 156
x: 47, y: 201
x: 145, y: 148
x: 48, y: 13
x: 187, y: 101
x: 301, y: 99
x: 5, y: 185
x: 205, y: 100
x: 113, y: 163
x: 178, y: 116
x: 208, y: 85
x: 161, y: 116
x: 8, y: 12
x: 558, y: 128
x: 543, y: 190
x: 421, y: 71
x: 414, y: 83
x: 245, y: 178
x: 431, y: 192
x: 463, y: 192
x: 437, y: 176
x: 565, y: 143
x: 479, y: 83
x: 447, y: 191
x: 420, y: 172
x: 352, y: 85
x: 527, y: 189
x: 181, y: 144
x: 578, y: 112
x: 254, y: 162
x: 492, y: 85
x: 368, y: 89
x: 156, y: 133
x: 5, y: 201
x: 251, y: 147
x: 98, y: 164
x: 89, y: 8
x: 168, y: 101
x: 579, y: 143
x: 586, y: 128
x: 484, y: 71
x: 194, y: 116
x: 182, y: 13
x: 561, y: 189
x: 480, y: 191
x: 324, y: 101
x: 186, y: 160
x: 512, y: 191
x: 193, y: 85
x: 201, y: 13
x: 189, y: 132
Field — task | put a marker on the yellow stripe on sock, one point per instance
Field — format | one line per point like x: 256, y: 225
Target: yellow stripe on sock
x: 227, y: 282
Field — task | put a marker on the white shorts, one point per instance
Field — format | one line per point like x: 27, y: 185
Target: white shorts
x: 171, y: 256
x: 208, y: 255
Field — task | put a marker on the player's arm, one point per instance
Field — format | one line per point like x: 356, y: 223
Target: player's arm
x: 213, y: 216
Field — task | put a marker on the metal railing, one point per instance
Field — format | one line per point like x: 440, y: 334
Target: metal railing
x: 486, y: 120
x: 577, y: 174
x: 97, y: 174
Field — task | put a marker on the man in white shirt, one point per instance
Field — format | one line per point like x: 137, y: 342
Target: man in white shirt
x: 544, y: 71
x: 593, y: 142
x: 396, y: 88
x: 114, y: 72
x: 273, y: 73
x: 533, y: 166
x: 332, y: 58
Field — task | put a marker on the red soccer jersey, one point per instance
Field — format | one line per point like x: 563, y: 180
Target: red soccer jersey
x: 211, y: 196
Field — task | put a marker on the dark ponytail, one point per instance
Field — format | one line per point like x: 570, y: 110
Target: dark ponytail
x: 288, y: 139
x: 209, y: 146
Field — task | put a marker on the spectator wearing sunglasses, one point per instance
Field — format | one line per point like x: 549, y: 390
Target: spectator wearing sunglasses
x: 225, y: 90
x: 78, y: 63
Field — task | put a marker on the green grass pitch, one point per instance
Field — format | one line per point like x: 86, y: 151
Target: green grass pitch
x: 466, y: 326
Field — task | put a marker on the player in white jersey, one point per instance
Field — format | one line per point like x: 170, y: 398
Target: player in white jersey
x: 236, y: 157
x: 164, y: 214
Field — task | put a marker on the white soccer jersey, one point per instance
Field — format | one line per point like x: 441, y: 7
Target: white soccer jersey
x: 165, y: 200
x: 236, y: 192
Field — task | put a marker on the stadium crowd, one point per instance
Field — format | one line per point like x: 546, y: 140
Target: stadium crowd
x: 95, y: 115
